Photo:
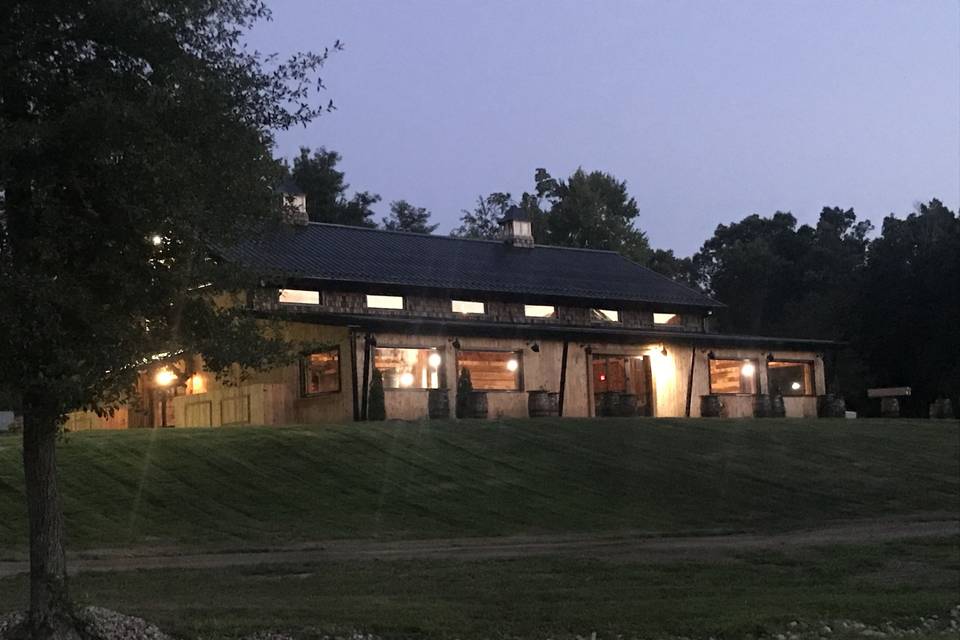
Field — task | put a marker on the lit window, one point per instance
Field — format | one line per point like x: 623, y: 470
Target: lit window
x: 539, y: 311
x: 733, y: 376
x: 605, y: 315
x: 299, y: 296
x: 384, y: 302
x: 790, y: 378
x: 466, y: 306
x: 405, y: 368
x: 666, y: 318
x: 492, y: 370
x: 320, y: 372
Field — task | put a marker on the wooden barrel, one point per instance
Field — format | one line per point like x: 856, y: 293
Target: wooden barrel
x: 609, y: 404
x: 710, y: 406
x: 761, y: 406
x: 831, y: 406
x: 941, y: 409
x: 438, y: 404
x: 477, y: 404
x: 777, y: 408
x: 628, y: 405
x: 543, y: 404
x: 889, y: 408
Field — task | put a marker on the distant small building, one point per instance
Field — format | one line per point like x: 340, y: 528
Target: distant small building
x: 609, y: 336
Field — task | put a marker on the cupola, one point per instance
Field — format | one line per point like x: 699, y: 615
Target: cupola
x: 515, y: 227
x: 294, y: 202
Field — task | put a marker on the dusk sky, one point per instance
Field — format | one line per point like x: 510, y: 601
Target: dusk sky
x: 709, y: 110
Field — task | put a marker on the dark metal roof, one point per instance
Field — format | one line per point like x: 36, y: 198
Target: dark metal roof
x: 335, y: 253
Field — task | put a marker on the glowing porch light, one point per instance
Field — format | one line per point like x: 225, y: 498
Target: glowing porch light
x: 795, y: 386
x: 406, y: 379
x: 512, y: 365
x: 434, y: 360
x: 165, y: 377
x: 748, y: 369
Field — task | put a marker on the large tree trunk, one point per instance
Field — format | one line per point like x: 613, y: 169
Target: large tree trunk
x: 51, y: 615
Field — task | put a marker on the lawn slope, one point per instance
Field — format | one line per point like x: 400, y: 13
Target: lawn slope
x: 259, y: 486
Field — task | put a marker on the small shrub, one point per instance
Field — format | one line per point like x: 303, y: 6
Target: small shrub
x: 464, y: 389
x: 378, y: 406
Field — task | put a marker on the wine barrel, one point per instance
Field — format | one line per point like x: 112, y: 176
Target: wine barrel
x: 831, y: 406
x: 628, y: 405
x: 710, y: 406
x: 761, y: 406
x: 438, y: 404
x: 777, y: 408
x: 941, y: 409
x: 477, y: 404
x: 543, y: 404
x: 889, y: 408
x: 609, y: 404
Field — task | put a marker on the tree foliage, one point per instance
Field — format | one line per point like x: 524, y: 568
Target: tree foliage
x: 483, y: 221
x: 131, y: 140
x: 326, y: 190
x: 406, y: 217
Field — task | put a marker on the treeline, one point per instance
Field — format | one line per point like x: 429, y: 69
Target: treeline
x: 892, y: 298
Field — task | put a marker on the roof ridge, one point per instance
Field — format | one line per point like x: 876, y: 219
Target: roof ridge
x: 450, y: 237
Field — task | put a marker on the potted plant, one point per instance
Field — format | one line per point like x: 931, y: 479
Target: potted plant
x: 470, y: 403
x: 378, y: 405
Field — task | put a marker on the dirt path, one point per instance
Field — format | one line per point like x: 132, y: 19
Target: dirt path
x: 616, y: 547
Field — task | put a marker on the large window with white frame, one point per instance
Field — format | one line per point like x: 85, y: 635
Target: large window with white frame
x: 384, y: 302
x: 791, y: 377
x: 409, y: 367
x: 733, y: 376
x: 492, y: 370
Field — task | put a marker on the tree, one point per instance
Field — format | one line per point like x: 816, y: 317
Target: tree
x: 131, y: 141
x: 483, y: 221
x: 592, y: 211
x: 908, y: 309
x: 326, y: 190
x: 406, y: 217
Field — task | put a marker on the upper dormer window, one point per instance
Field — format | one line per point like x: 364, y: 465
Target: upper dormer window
x: 605, y: 315
x: 666, y: 318
x: 299, y: 296
x: 384, y: 302
x: 539, y: 311
x: 467, y: 307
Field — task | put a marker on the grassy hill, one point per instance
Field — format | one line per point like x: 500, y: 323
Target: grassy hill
x: 248, y: 486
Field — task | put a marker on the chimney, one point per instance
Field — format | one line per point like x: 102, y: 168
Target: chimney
x: 293, y: 200
x: 515, y: 227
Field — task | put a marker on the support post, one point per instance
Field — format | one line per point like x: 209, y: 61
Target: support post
x: 693, y: 362
x: 563, y: 377
x: 366, y: 376
x: 353, y: 375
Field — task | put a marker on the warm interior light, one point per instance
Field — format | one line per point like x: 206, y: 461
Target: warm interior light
x: 795, y: 386
x: 156, y: 240
x: 196, y: 383
x: 165, y: 377
x: 512, y: 365
x: 748, y: 369
x: 434, y: 360
x: 406, y: 379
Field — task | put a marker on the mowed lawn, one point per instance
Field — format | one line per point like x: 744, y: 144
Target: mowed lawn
x: 254, y: 487
x: 259, y: 486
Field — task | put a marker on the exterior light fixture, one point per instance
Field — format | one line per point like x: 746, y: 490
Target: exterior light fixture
x: 406, y: 379
x: 770, y: 357
x: 535, y: 347
x: 663, y: 351
x: 748, y: 369
x: 711, y: 355
x: 434, y: 360
x: 165, y: 377
x: 512, y: 364
x: 455, y: 343
x: 795, y: 386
